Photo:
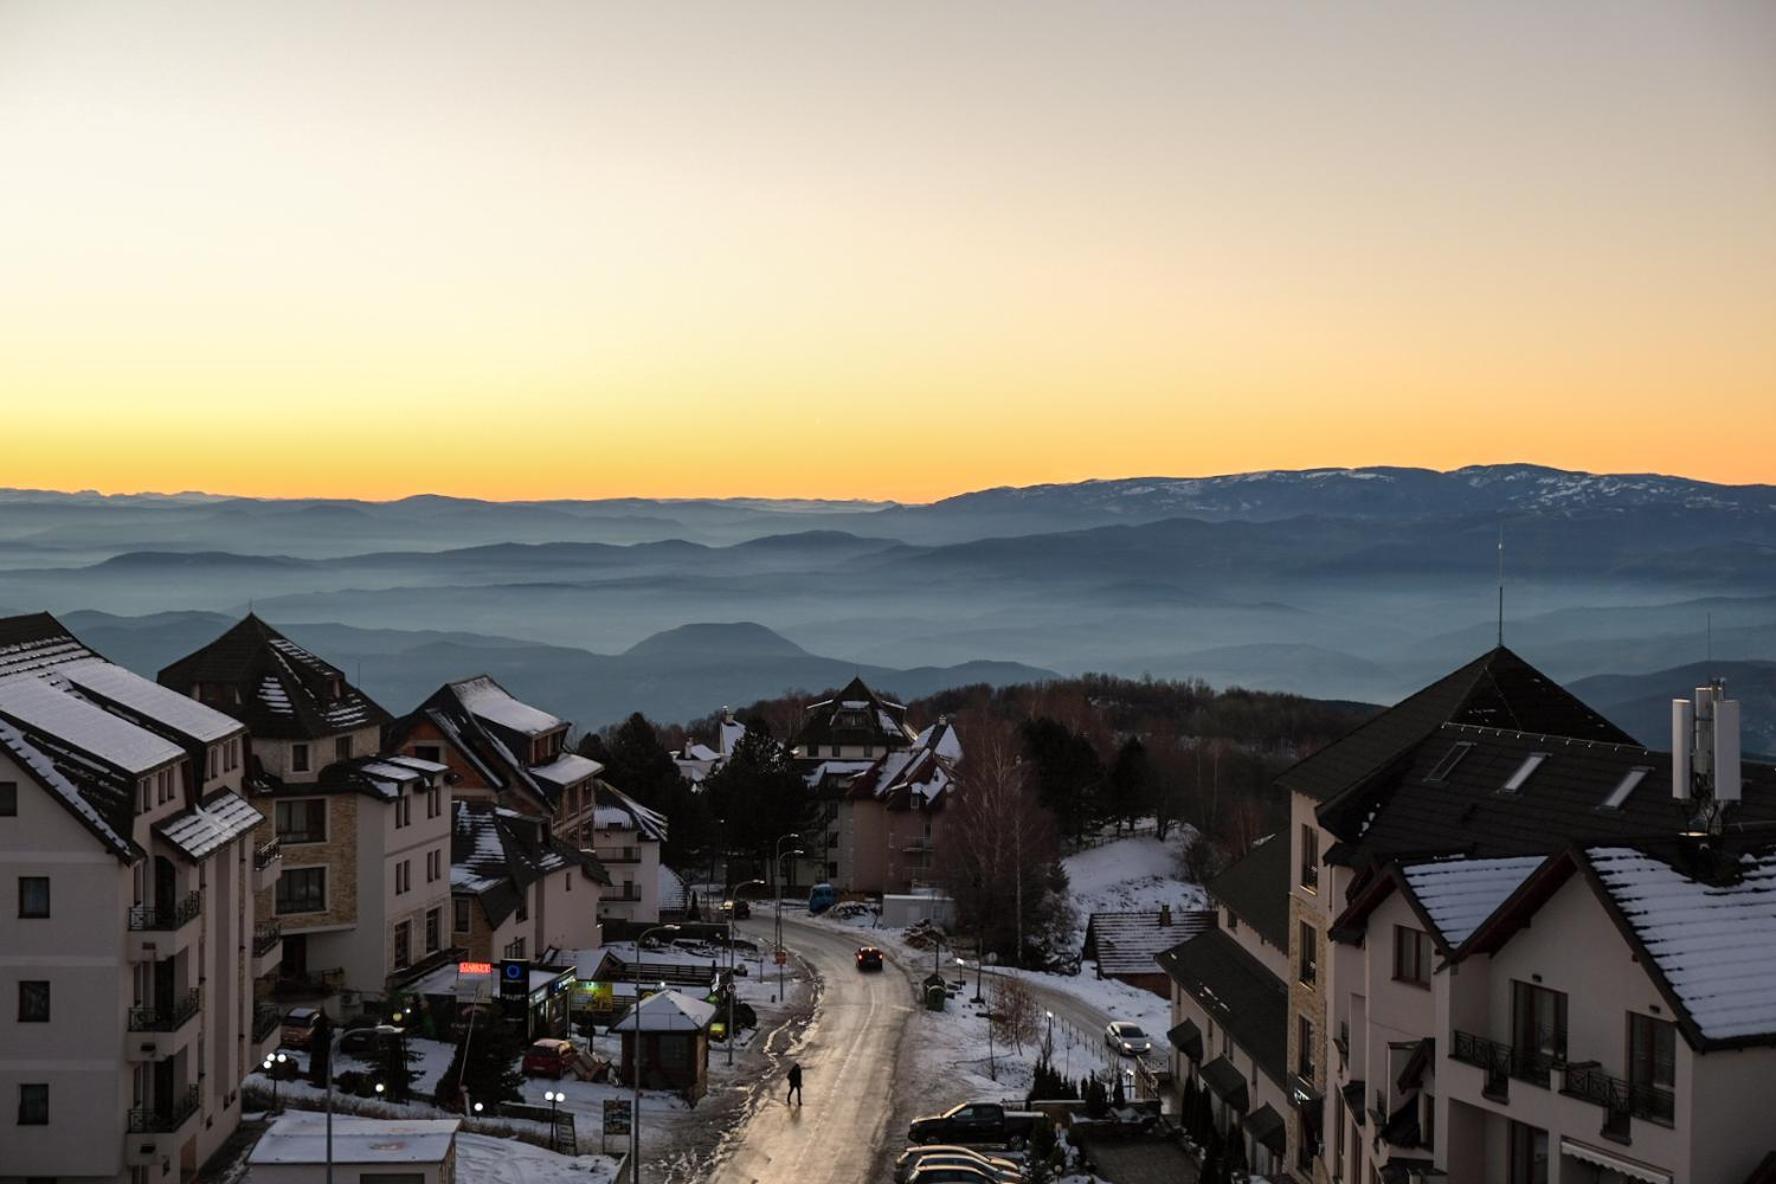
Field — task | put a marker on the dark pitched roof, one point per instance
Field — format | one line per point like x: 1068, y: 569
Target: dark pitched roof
x: 274, y: 686
x: 496, y: 854
x: 1127, y: 943
x: 492, y: 730
x: 1419, y: 809
x: 1238, y: 993
x: 99, y: 799
x: 1256, y: 889
x: 1497, y: 689
x: 855, y: 716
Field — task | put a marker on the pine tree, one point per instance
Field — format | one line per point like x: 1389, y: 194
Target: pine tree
x: 395, y: 1061
x: 491, y: 1053
x: 758, y: 795
x: 1131, y: 783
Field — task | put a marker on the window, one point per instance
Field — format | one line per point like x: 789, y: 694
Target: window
x: 459, y: 909
x: 1530, y: 764
x: 1233, y: 921
x: 213, y: 762
x: 342, y: 748
x: 34, y: 897
x: 391, y: 1178
x: 434, y: 925
x: 1427, y: 1121
x: 1652, y: 1057
x: 524, y: 907
x: 1412, y: 956
x: 403, y: 876
x: 143, y: 788
x: 33, y: 1105
x: 403, y: 944
x: 568, y: 879
x: 402, y: 818
x: 429, y: 752
x: 298, y: 758
x: 302, y: 820
x: 1304, y: 1035
x: 33, y: 1001
x: 234, y: 753
x: 1538, y: 1025
x: 1310, y: 857
x: 406, y: 804
x: 1443, y: 768
x: 434, y: 802
x: 9, y: 799
x: 1309, y: 952
x: 1528, y: 1155
x: 515, y: 948
x: 1618, y: 797
x: 1338, y: 1134
x: 302, y: 890
x: 434, y: 865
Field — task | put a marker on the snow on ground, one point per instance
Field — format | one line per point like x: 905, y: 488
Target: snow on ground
x: 487, y: 1160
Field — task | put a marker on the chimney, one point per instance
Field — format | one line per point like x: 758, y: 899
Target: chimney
x: 1165, y: 916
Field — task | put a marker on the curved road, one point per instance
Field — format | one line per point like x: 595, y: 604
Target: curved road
x: 848, y: 1060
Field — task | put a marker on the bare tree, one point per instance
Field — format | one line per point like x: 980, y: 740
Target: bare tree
x: 1015, y: 1016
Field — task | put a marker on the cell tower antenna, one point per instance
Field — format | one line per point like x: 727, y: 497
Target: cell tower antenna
x: 1501, y: 584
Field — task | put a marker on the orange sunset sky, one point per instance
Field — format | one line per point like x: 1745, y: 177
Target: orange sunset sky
x: 878, y: 250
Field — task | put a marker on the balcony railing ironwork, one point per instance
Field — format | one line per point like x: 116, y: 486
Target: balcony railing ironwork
x: 1590, y: 1083
x: 178, y: 914
x: 167, y: 1017
x: 267, y: 1018
x: 265, y: 937
x: 165, y: 1118
x: 265, y: 853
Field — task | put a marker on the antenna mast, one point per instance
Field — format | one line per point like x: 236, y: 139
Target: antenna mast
x: 1501, y: 584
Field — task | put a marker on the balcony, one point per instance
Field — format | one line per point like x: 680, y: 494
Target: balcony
x: 1501, y: 1062
x: 617, y: 855
x: 1621, y: 1100
x: 268, y: 863
x: 167, y: 1119
x: 268, y: 949
x: 268, y: 1018
x: 169, y: 1017
x: 160, y: 931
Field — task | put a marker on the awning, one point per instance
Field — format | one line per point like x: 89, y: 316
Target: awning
x: 1227, y: 1083
x: 1409, y: 1171
x: 1353, y: 1097
x: 1424, y: 1055
x: 1615, y: 1163
x: 1266, y: 1126
x: 1187, y: 1038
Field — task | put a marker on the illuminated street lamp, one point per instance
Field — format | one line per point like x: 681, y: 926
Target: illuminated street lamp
x: 554, y: 1098
x: 732, y: 956
x: 274, y: 1064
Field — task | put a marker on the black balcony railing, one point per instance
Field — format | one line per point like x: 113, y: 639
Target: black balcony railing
x: 149, y: 1120
x: 1589, y: 1082
x: 165, y: 1017
x: 267, y: 1018
x: 265, y: 937
x: 265, y: 853
x: 178, y: 914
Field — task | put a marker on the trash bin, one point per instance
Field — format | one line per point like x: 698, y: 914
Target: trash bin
x: 936, y: 991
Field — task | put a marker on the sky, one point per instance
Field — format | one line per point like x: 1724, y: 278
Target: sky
x: 576, y: 249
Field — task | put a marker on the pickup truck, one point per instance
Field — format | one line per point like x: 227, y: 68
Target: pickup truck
x: 975, y: 1122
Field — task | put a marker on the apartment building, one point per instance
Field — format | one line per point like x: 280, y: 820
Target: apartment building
x: 840, y: 741
x: 625, y: 839
x: 361, y: 897
x: 517, y: 891
x: 126, y: 918
x: 1230, y: 1005
x: 1533, y: 964
x: 502, y: 750
x: 886, y: 822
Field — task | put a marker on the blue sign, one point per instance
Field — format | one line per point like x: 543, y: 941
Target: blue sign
x: 514, y: 974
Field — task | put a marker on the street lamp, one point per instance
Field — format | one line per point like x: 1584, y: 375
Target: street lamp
x: 635, y: 1067
x: 732, y: 989
x: 274, y: 1064
x: 554, y: 1098
x: 1048, y: 1046
x: 777, y: 870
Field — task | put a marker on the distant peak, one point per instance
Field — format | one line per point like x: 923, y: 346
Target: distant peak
x: 717, y: 639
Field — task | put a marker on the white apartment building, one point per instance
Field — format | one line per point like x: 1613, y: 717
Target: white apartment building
x: 518, y: 891
x: 126, y: 918
x: 625, y: 839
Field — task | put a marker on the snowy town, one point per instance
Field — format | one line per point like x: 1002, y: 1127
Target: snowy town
x: 263, y: 925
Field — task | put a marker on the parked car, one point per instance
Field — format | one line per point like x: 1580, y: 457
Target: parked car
x: 739, y: 910
x: 954, y: 1173
x: 299, y: 1027
x: 822, y: 897
x: 869, y: 958
x: 362, y: 1042
x: 1008, y: 1174
x: 1127, y: 1039
x: 549, y: 1058
x: 912, y: 1157
x: 975, y: 1122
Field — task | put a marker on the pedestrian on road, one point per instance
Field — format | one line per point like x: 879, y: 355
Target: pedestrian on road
x: 795, y: 1084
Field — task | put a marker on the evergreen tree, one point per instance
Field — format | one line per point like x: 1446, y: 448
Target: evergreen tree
x: 491, y: 1052
x: 1131, y: 784
x: 1041, y: 1153
x: 758, y: 796
x: 636, y: 762
x: 1187, y: 1110
x: 395, y: 1061
x: 1068, y: 772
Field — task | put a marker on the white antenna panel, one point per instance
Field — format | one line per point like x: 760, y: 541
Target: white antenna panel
x: 1683, y: 738
x: 1726, y: 750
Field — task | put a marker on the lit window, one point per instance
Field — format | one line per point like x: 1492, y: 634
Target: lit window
x: 1530, y: 764
x: 1619, y: 795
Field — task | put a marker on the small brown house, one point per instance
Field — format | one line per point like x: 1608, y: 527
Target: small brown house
x: 673, y: 1030
x: 1124, y: 945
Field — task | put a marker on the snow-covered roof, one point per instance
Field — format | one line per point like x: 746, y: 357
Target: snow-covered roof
x: 567, y: 769
x: 492, y: 702
x: 941, y: 738
x: 667, y: 1011
x: 1458, y: 894
x: 616, y: 810
x: 1128, y: 943
x: 1714, y: 945
x: 111, y: 827
x: 149, y: 700
x: 301, y: 1138
x: 36, y: 705
x: 418, y: 764
x: 203, y: 828
x: 674, y: 896
x: 730, y: 734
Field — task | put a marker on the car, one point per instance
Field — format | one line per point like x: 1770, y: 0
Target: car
x: 975, y: 1122
x: 362, y: 1042
x: 821, y: 897
x: 300, y: 1024
x: 1127, y: 1039
x: 549, y: 1058
x: 954, y: 1173
x: 739, y: 910
x: 869, y: 958
x: 912, y: 1157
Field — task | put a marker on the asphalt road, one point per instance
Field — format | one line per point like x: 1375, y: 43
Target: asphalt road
x: 848, y: 1058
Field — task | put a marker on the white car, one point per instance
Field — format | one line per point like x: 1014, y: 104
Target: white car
x: 1127, y: 1039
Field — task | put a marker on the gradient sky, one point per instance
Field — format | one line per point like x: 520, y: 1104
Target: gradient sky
x: 886, y: 249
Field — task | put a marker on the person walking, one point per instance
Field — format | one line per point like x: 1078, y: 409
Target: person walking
x: 795, y: 1084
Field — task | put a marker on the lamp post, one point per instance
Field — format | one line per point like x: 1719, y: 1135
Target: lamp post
x: 274, y: 1064
x: 554, y: 1098
x: 635, y: 1068
x: 1048, y: 1045
x: 777, y: 870
x: 732, y: 957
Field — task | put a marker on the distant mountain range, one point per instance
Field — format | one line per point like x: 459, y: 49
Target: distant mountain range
x: 1341, y: 583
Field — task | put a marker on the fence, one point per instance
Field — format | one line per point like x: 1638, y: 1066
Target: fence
x: 1087, y: 842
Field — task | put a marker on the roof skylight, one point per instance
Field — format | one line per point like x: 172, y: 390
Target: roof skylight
x: 1530, y: 764
x: 1450, y: 760
x: 1619, y: 795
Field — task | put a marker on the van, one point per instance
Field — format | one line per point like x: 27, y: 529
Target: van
x: 821, y: 898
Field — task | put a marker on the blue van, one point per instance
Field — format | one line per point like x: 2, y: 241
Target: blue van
x: 821, y: 898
